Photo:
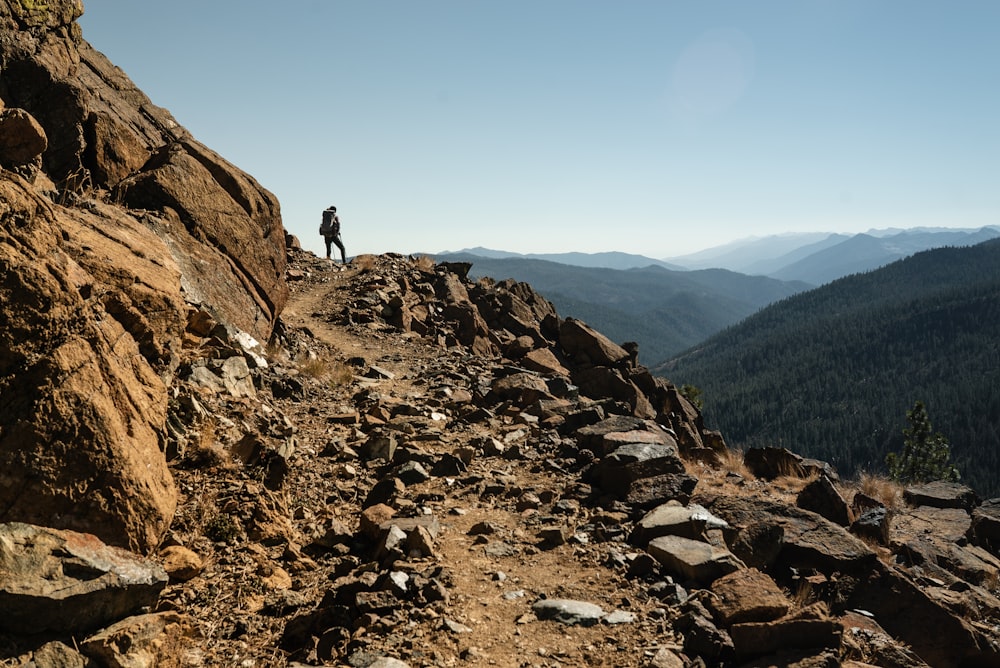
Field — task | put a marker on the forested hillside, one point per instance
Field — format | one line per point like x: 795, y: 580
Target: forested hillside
x: 664, y: 311
x: 831, y: 372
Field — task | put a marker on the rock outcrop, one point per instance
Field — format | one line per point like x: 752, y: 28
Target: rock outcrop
x: 115, y: 227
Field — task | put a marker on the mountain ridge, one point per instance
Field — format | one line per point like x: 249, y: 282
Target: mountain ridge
x: 663, y: 310
x: 870, y: 344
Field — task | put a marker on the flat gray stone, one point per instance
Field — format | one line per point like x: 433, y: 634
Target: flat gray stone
x: 941, y: 494
x: 500, y: 549
x: 619, y: 617
x: 569, y: 612
x: 693, y: 560
x: 673, y: 519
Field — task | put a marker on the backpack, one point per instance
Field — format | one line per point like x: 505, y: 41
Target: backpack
x: 329, y: 225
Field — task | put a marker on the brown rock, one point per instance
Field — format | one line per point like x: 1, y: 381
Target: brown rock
x: 806, y: 629
x: 608, y: 434
x: 607, y: 383
x: 635, y: 461
x: 872, y: 524
x: 747, y: 596
x: 821, y: 497
x: 521, y: 388
x: 58, y: 655
x: 929, y: 626
x: 181, y: 563
x: 808, y: 540
x: 693, y: 560
x: 93, y: 303
x: 613, y: 440
x: 985, y: 530
x: 675, y: 519
x: 544, y: 361
x: 947, y: 524
x: 22, y: 139
x: 67, y: 581
x: 241, y: 274
x: 519, y: 347
x: 144, y: 641
x: 275, y: 577
x: 585, y: 345
x: 759, y: 543
x: 865, y: 640
x: 80, y: 436
x: 941, y: 494
x: 770, y: 463
x: 219, y: 225
x: 646, y: 493
x: 664, y: 658
x: 372, y: 519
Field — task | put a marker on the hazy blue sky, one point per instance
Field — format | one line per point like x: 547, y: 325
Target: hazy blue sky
x: 653, y: 127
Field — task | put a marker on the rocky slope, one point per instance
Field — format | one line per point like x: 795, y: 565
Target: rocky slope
x: 116, y: 226
x: 416, y: 469
x: 421, y: 470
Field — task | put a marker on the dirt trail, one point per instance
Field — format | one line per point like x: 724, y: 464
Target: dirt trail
x: 494, y: 562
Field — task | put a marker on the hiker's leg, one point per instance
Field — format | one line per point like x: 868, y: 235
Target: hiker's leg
x: 328, y: 240
x: 340, y: 245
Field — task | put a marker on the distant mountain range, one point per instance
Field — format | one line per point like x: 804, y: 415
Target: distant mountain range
x: 609, y: 260
x: 663, y: 310
x: 831, y: 372
x: 817, y: 258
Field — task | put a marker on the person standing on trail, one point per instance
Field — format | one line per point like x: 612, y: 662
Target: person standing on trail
x: 330, y: 229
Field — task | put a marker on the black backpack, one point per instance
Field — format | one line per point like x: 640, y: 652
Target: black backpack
x: 329, y: 225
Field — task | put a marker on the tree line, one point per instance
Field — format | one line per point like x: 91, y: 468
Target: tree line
x: 832, y: 373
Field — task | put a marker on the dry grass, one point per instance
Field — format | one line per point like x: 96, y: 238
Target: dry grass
x: 205, y: 448
x: 889, y: 492
x: 731, y: 461
x: 991, y: 583
x: 792, y: 483
x: 274, y: 351
x: 424, y: 263
x: 804, y: 596
x: 324, y: 369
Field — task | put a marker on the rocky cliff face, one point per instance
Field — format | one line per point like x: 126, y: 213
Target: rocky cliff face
x: 115, y: 225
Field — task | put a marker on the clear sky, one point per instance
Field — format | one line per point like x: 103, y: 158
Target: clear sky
x: 656, y: 127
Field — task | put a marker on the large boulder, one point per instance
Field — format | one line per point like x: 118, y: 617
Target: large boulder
x: 586, y: 346
x: 95, y: 294
x: 985, y: 529
x: 104, y: 134
x: 69, y: 582
x: 807, y: 539
x: 81, y: 433
x: 941, y: 494
x: 693, y: 561
x: 925, y: 618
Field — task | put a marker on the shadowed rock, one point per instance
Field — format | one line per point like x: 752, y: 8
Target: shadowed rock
x: 821, y: 497
x: 808, y: 540
x: 586, y: 346
x: 941, y: 494
x: 68, y: 582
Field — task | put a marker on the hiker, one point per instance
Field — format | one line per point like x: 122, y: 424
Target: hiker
x: 330, y: 229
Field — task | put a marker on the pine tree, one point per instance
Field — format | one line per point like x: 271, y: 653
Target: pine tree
x: 692, y: 394
x: 925, y: 456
